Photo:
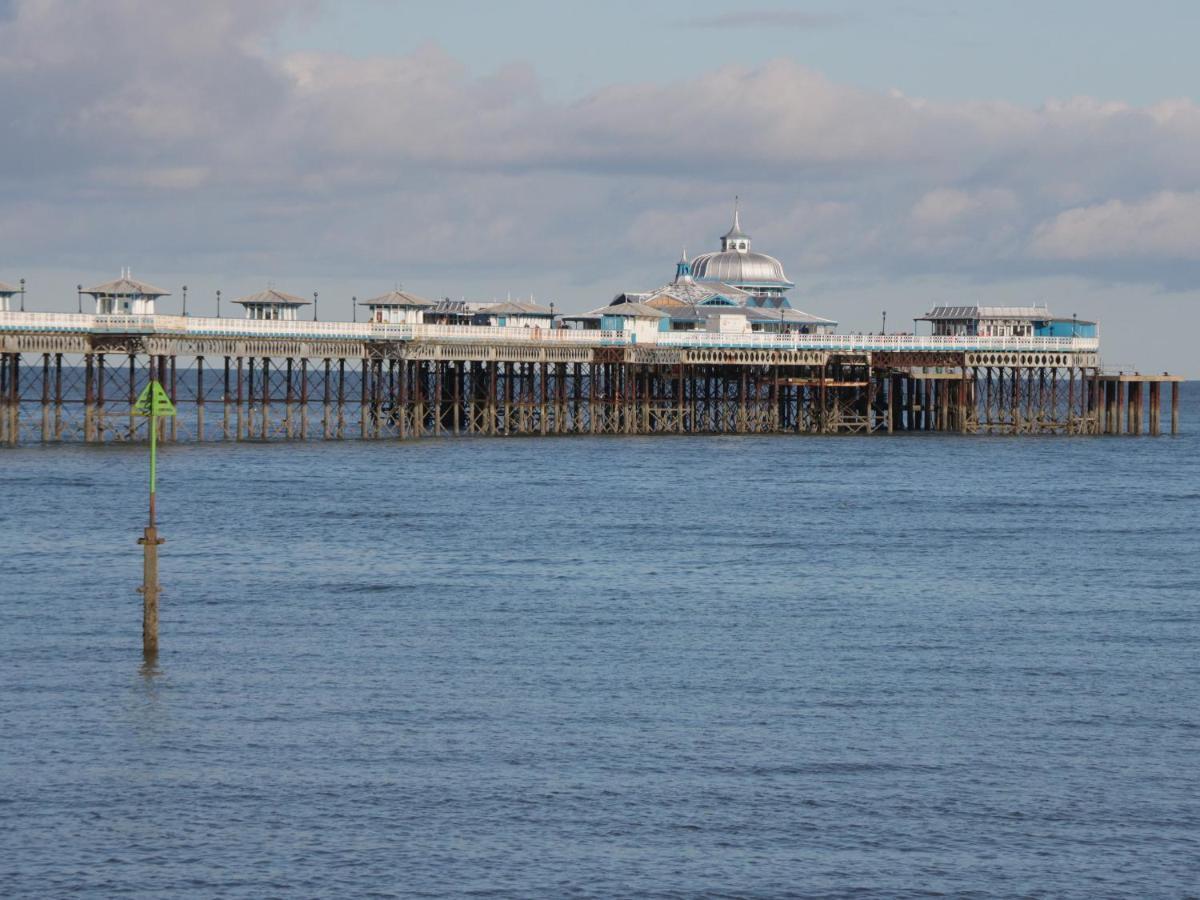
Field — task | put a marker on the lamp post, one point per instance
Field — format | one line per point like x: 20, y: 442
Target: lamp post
x: 314, y: 306
x: 885, y: 321
x: 354, y: 309
x: 551, y: 315
x: 1074, y: 325
x: 22, y: 295
x: 79, y: 296
x: 185, y: 301
x: 218, y: 303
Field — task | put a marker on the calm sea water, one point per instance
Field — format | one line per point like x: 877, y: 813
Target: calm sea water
x: 664, y: 667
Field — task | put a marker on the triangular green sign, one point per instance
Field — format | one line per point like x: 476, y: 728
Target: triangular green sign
x: 154, y: 401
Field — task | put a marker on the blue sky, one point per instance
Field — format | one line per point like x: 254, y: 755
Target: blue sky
x: 893, y: 155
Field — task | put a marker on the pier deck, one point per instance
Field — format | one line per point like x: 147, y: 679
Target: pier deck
x: 69, y: 377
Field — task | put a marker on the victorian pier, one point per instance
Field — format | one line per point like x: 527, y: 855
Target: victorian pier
x: 69, y: 377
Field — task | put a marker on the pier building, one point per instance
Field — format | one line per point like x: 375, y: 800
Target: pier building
x: 272, y: 305
x: 513, y: 314
x: 125, y: 296
x: 397, y: 307
x: 1005, y: 321
x: 693, y: 304
x: 736, y: 264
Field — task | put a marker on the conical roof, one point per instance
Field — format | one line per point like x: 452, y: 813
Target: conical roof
x: 6, y: 288
x: 272, y: 297
x: 397, y: 298
x: 126, y: 286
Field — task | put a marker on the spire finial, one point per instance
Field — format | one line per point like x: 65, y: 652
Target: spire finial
x: 683, y: 268
x: 737, y: 202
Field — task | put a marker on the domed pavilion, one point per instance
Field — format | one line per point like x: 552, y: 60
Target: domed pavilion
x: 736, y: 264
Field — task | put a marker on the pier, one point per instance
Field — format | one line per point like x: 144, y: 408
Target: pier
x: 76, y: 377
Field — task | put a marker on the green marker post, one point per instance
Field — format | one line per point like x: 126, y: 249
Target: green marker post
x: 151, y: 403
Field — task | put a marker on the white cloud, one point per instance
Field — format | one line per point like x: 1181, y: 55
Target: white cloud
x: 135, y: 111
x: 1165, y: 226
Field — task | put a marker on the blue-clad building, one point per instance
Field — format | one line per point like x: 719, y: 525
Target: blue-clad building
x: 1004, y: 321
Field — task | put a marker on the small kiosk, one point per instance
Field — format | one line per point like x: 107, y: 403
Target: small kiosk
x: 397, y: 308
x: 273, y: 305
x: 126, y: 296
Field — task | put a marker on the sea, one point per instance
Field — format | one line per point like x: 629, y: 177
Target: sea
x: 662, y: 667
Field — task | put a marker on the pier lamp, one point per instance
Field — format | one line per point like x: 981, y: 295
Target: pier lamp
x: 22, y: 295
x: 1074, y: 325
x: 314, y: 306
x: 885, y: 321
x: 218, y: 303
x: 552, y: 314
x: 185, y: 301
x: 79, y: 295
x: 353, y: 309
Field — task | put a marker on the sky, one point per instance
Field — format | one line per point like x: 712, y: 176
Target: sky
x: 894, y: 155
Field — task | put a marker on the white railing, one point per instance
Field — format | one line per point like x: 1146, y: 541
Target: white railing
x: 200, y: 326
x: 876, y: 342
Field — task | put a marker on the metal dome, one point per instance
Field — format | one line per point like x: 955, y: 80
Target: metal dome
x: 740, y: 269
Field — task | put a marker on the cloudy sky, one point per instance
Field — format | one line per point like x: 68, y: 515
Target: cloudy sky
x: 894, y: 155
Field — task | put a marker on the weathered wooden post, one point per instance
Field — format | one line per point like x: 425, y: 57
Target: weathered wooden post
x: 152, y: 403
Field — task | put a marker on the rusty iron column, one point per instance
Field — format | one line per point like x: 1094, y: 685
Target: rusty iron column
x: 403, y: 389
x: 963, y: 419
x: 5, y: 415
x: 326, y: 393
x: 304, y: 398
x: 289, y: 400
x: 822, y: 400
x: 442, y: 391
x: 265, y: 420
x: 225, y: 403
x: 891, y: 403
x: 251, y: 397
x: 680, y: 374
x: 1174, y: 407
x: 199, y: 399
x: 131, y: 394
x: 58, y: 397
x: 45, y: 398
x: 89, y: 396
x: 101, y: 412
x: 1070, y: 399
x: 341, y: 399
x: 241, y: 396
x: 172, y: 423
x: 363, y: 394
x: 456, y: 382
